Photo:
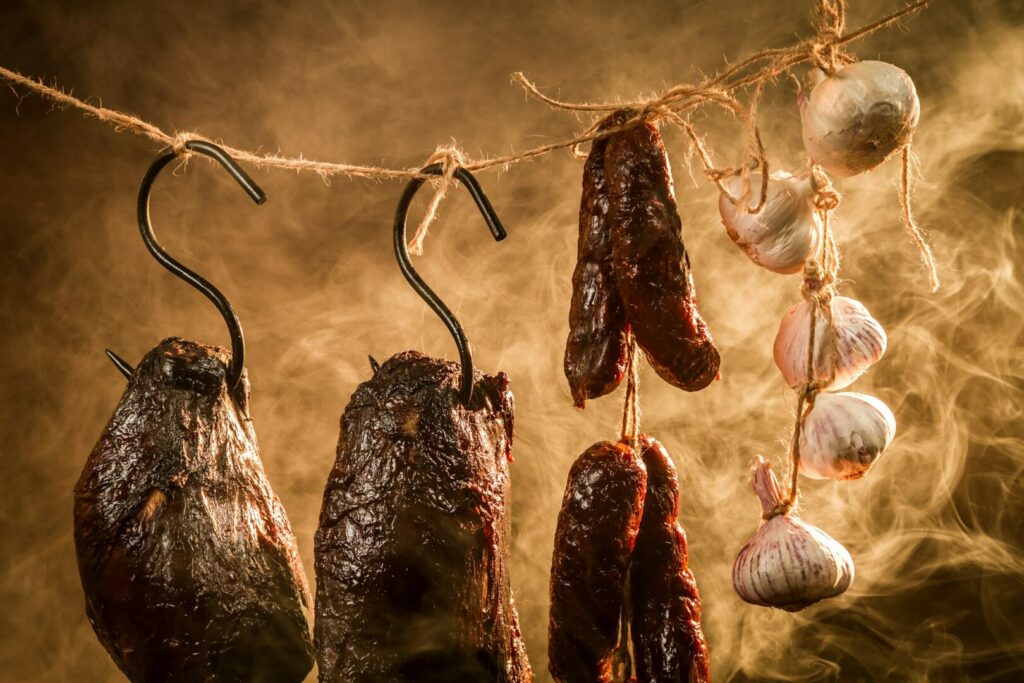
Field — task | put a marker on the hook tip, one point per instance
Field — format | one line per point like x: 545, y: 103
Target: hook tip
x: 123, y: 366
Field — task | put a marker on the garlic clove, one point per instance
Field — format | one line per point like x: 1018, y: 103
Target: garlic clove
x: 859, y: 340
x: 786, y: 230
x: 788, y: 564
x: 854, y: 119
x: 843, y: 435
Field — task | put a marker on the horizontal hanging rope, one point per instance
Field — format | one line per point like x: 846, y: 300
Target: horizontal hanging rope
x: 770, y: 64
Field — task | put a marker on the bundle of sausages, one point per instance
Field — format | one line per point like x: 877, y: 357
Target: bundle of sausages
x: 619, y: 550
x: 632, y: 271
x: 622, y: 592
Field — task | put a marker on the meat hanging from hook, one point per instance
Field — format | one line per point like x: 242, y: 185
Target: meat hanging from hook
x: 421, y: 287
x: 190, y: 276
x: 188, y: 562
x: 412, y: 550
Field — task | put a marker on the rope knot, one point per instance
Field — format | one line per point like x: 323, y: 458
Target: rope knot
x: 783, y: 508
x: 451, y: 158
x: 826, y: 196
x: 817, y: 284
x: 825, y: 51
x: 654, y: 110
x: 826, y: 200
x: 180, y: 140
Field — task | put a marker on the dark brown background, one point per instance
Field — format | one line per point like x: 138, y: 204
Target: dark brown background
x: 935, y: 530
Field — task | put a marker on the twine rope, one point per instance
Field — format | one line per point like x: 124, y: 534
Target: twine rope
x: 451, y: 158
x: 770, y: 64
x: 622, y: 659
x: 631, y: 401
x: 916, y: 233
x: 825, y: 50
x: 818, y: 288
x: 831, y: 21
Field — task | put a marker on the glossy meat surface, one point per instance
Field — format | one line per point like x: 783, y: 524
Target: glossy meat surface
x: 652, y: 267
x: 597, y: 527
x: 595, y: 352
x: 412, y: 549
x: 668, y: 643
x: 189, y: 565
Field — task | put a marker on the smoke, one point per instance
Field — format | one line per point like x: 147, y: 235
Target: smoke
x: 935, y: 529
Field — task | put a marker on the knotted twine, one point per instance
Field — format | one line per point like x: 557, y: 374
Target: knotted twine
x: 451, y: 158
x: 666, y: 107
x: 826, y: 53
x: 817, y: 288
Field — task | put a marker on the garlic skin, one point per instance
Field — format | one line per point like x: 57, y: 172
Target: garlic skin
x: 788, y: 564
x: 854, y: 119
x: 860, y: 343
x: 786, y: 230
x: 843, y: 435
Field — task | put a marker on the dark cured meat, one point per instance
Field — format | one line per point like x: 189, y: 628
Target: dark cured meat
x: 412, y: 549
x: 595, y: 353
x: 668, y: 643
x: 651, y: 264
x: 189, y: 565
x: 597, y: 527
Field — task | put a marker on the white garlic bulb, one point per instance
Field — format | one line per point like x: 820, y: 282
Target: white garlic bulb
x: 789, y: 563
x: 859, y: 341
x: 854, y: 119
x: 843, y: 435
x: 786, y: 230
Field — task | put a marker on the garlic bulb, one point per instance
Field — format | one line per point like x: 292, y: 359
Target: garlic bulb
x: 843, y: 435
x: 786, y: 230
x: 854, y: 119
x: 789, y: 563
x: 860, y: 341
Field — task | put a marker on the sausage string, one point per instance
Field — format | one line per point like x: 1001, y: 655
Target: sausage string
x: 631, y: 402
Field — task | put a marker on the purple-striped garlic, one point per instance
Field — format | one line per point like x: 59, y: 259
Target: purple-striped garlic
x: 843, y: 435
x: 788, y: 564
x: 859, y: 340
x: 786, y: 230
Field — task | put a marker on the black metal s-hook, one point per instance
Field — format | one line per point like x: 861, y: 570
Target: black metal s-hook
x: 234, y: 372
x: 421, y: 287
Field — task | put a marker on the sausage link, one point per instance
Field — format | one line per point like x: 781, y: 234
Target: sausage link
x: 651, y: 265
x: 668, y: 643
x: 595, y: 353
x: 597, y: 528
